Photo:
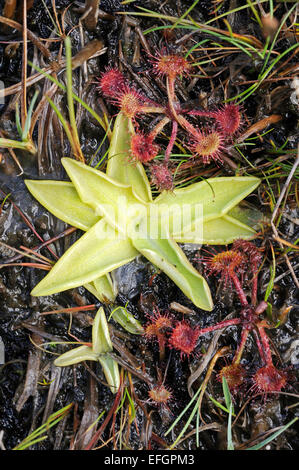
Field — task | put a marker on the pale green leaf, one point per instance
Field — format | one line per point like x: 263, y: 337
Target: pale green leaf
x: 111, y: 371
x: 248, y: 215
x: 206, y: 200
x: 120, y: 167
x: 96, y: 253
x: 169, y: 257
x: 76, y: 355
x: 127, y: 321
x: 61, y: 199
x: 107, y: 197
x: 102, y: 288
x: 220, y: 231
x: 101, y: 342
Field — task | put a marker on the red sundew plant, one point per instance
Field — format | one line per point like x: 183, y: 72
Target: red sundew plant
x: 231, y: 265
x: 206, y: 143
x: 157, y: 328
x: 184, y: 338
x: 112, y: 82
x: 160, y: 396
x: 143, y: 148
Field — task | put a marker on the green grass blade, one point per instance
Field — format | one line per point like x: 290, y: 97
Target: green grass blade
x: 274, y: 436
x: 79, y: 100
x: 25, y: 132
x: 230, y: 444
x: 36, y: 436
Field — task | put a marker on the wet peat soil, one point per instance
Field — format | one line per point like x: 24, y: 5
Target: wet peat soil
x: 31, y: 387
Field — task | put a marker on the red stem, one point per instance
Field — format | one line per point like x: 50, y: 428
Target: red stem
x: 187, y: 126
x: 171, y: 141
x: 161, y: 342
x: 239, y: 352
x: 223, y: 324
x: 239, y: 290
x: 254, y: 285
x: 265, y: 344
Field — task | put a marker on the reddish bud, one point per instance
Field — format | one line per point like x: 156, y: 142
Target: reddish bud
x: 161, y: 177
x: 184, y: 338
x: 143, y: 147
x: 112, y: 82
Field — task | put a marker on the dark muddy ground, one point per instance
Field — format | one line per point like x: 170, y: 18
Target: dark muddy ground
x: 31, y: 387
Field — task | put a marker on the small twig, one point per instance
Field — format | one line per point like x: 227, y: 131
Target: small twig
x: 32, y: 37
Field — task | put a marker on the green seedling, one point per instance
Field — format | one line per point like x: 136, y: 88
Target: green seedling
x: 99, y: 351
x: 26, y: 142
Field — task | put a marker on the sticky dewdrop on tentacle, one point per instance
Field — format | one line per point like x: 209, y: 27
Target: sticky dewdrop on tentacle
x: 206, y: 143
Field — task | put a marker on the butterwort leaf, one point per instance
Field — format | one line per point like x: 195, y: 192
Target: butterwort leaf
x: 119, y: 165
x: 96, y: 253
x: 112, y: 241
x: 206, y: 200
x: 76, y: 355
x: 61, y: 199
x: 170, y: 258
